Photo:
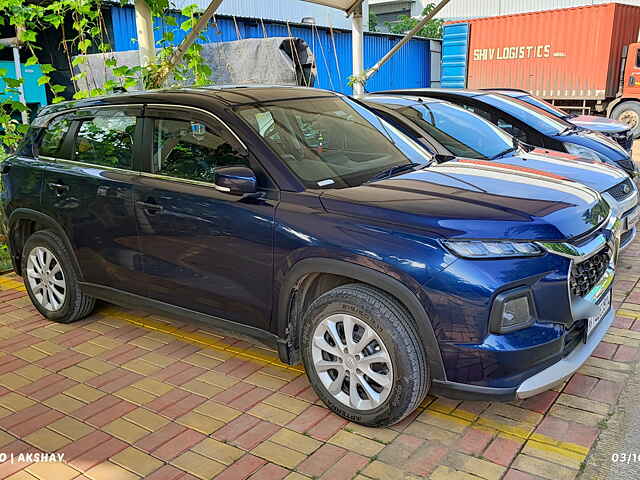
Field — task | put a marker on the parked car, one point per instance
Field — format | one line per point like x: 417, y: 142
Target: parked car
x: 451, y: 132
x: 533, y: 125
x: 298, y: 216
x: 620, y: 132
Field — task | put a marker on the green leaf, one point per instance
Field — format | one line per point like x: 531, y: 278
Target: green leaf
x: 120, y: 71
x: 3, y: 72
x: 58, y: 88
x: 47, y: 68
x: 13, y: 82
x: 28, y: 36
x: 80, y: 95
x: 54, y: 19
x: 17, y: 106
x: 44, y: 79
x: 171, y: 21
x: 186, y: 25
x: 57, y: 100
x: 110, y: 62
x: 79, y: 60
x: 22, y: 128
x: 31, y: 61
x: 83, y: 45
x: 130, y: 82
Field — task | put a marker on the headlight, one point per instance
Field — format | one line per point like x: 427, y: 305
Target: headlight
x: 585, y: 152
x: 480, y: 249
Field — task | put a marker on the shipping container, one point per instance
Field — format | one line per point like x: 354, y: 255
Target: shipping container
x: 583, y: 57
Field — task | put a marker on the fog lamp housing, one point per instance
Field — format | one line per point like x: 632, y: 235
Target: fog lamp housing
x: 512, y: 310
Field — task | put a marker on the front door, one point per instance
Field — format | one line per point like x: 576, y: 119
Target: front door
x: 632, y: 72
x: 88, y: 190
x: 204, y: 250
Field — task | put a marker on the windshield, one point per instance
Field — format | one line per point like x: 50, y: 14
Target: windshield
x: 531, y: 115
x: 463, y: 133
x: 546, y: 106
x: 331, y: 142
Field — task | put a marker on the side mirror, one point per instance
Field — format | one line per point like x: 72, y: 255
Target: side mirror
x: 235, y: 180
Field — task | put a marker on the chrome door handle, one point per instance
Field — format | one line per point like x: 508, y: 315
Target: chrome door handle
x: 59, y: 188
x: 150, y: 208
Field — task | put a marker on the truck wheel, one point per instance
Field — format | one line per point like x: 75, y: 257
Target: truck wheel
x: 363, y: 355
x: 629, y: 114
x: 51, y: 279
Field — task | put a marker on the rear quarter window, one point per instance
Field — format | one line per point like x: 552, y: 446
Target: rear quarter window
x: 53, y: 135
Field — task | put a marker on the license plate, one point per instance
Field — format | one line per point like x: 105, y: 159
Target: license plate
x: 604, y: 306
x: 632, y: 218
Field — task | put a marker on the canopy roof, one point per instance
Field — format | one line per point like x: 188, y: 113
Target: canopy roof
x: 346, y: 5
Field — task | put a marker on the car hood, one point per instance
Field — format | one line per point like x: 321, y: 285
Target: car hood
x: 476, y: 199
x: 598, y: 176
x: 598, y: 124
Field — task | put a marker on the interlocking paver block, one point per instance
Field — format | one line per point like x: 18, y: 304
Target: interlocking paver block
x: 278, y: 454
x: 136, y: 461
x: 356, y: 443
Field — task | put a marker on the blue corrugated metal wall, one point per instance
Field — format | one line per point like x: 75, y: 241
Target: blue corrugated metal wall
x: 410, y: 68
x: 455, y: 47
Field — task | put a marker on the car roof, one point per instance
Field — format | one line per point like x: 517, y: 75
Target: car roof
x: 399, y: 100
x: 511, y: 92
x: 230, y: 95
x: 463, y: 92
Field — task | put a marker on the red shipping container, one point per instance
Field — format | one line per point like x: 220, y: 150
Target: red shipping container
x: 571, y: 53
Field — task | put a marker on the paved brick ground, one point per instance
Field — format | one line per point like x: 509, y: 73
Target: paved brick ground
x: 126, y: 394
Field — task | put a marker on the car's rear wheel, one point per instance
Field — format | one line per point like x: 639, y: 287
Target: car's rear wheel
x: 363, y: 355
x: 51, y: 279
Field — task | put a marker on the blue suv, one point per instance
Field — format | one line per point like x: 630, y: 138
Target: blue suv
x: 299, y: 217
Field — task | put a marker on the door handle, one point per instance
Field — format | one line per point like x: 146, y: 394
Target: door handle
x: 150, y: 208
x: 59, y: 188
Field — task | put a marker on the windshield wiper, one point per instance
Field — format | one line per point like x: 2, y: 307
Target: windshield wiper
x: 570, y: 129
x: 516, y: 145
x: 390, y: 172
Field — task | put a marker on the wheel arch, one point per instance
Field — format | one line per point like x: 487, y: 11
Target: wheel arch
x: 305, y: 276
x: 22, y: 223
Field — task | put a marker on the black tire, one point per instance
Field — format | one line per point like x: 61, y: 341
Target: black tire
x: 630, y: 109
x: 76, y: 305
x: 395, y: 326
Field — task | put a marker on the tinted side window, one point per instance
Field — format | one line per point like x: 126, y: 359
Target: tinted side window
x: 106, y: 140
x: 53, y: 135
x: 191, y: 150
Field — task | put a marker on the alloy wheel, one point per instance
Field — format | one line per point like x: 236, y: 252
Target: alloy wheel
x: 352, y: 362
x: 46, y: 279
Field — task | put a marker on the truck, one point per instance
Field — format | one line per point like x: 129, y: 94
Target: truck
x: 583, y: 59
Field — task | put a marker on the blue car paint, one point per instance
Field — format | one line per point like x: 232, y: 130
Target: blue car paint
x: 554, y: 131
x: 393, y: 227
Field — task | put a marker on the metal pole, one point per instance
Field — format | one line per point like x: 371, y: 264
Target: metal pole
x: 357, y: 41
x: 144, y: 26
x: 16, y: 62
x: 372, y: 71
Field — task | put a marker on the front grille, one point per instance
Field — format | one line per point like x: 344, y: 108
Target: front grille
x: 586, y: 274
x: 622, y: 190
x: 574, y: 336
x: 624, y: 139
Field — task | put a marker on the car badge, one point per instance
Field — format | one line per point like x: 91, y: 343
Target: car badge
x: 626, y: 188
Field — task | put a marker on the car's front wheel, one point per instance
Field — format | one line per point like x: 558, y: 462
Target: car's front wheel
x: 51, y: 279
x: 363, y: 355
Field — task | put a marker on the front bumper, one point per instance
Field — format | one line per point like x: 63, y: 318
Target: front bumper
x: 560, y: 371
x: 538, y: 383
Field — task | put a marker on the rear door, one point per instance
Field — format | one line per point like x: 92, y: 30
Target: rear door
x: 88, y: 190
x: 204, y: 249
